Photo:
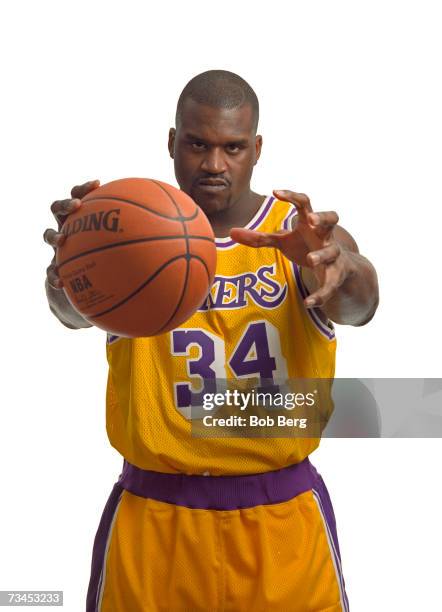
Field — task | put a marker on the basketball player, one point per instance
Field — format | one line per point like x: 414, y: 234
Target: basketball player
x: 238, y: 524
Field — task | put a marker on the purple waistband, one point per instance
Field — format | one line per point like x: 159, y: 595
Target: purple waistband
x: 220, y: 492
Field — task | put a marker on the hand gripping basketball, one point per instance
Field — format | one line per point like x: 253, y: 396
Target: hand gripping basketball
x: 61, y: 209
x: 137, y: 258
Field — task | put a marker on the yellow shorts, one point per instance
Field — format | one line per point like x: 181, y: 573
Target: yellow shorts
x: 175, y: 543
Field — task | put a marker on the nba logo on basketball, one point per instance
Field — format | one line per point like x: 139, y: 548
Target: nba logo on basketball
x: 80, y: 284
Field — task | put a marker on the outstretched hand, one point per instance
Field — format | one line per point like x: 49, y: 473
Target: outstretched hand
x: 61, y: 209
x: 310, y: 243
x: 58, y: 301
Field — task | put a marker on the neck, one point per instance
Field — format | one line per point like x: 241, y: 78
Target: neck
x: 238, y: 215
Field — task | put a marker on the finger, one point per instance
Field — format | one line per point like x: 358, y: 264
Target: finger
x: 52, y: 275
x: 53, y: 238
x: 300, y: 200
x: 326, y: 255
x: 321, y: 296
x: 79, y: 191
x: 62, y: 208
x: 254, y: 239
x: 324, y: 293
x: 323, y: 221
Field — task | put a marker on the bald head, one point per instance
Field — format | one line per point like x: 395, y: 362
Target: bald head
x: 219, y: 89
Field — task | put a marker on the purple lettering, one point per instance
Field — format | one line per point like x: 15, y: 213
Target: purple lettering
x: 232, y: 292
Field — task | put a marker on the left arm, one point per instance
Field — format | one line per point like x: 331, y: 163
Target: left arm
x: 341, y: 282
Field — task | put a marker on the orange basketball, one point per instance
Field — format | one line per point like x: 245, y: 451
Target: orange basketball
x: 139, y: 257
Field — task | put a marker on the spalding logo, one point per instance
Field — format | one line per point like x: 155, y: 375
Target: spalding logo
x: 93, y: 222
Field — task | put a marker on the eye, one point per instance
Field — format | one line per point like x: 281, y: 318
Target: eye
x: 233, y: 148
x: 198, y: 146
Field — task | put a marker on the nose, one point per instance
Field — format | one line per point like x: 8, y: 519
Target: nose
x: 214, y: 161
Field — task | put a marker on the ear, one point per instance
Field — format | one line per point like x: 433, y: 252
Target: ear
x: 171, y: 143
x: 258, y: 147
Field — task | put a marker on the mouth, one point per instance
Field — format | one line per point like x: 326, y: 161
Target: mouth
x: 212, y: 185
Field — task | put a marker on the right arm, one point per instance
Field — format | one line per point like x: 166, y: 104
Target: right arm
x: 61, y: 307
x: 58, y: 302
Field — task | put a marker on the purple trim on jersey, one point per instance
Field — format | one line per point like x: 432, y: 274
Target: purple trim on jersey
x: 219, y: 492
x: 99, y: 549
x: 312, y: 312
x: 323, y: 328
x: 321, y: 494
x: 291, y: 214
x: 111, y: 338
x: 223, y: 245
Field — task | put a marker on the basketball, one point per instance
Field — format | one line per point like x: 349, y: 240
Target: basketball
x: 139, y: 257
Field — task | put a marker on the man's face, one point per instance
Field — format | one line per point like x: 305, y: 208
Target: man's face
x: 214, y: 151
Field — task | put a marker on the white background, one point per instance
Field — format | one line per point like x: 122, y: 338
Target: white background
x: 350, y: 114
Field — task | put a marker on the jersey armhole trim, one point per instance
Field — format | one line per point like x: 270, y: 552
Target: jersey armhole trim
x: 327, y: 331
x: 259, y: 217
x: 286, y: 224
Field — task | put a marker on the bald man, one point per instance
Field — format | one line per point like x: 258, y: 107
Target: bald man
x: 228, y: 523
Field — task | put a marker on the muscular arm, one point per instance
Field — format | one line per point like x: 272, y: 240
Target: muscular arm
x: 341, y: 282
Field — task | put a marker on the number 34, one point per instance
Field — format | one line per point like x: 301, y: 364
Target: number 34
x: 257, y: 353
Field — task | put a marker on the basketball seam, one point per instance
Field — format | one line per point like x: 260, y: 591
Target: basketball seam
x: 188, y: 255
x: 154, y: 212
x: 127, y: 242
x: 180, y: 301
x: 170, y: 196
x: 141, y: 287
x: 138, y: 289
x: 204, y: 264
x: 186, y: 236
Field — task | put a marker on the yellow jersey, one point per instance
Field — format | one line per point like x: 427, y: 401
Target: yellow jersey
x: 253, y: 324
